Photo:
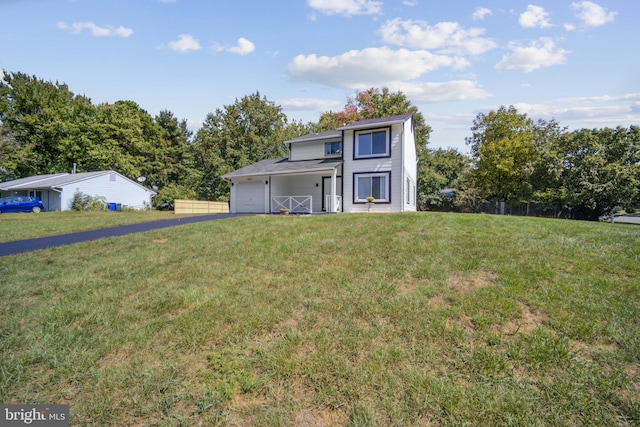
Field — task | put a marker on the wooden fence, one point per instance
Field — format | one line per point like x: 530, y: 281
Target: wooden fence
x: 200, y: 207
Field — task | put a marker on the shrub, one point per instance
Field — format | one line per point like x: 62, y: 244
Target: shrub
x: 84, y: 202
x: 165, y: 199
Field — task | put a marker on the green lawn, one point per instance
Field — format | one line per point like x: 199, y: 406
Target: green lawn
x: 17, y: 226
x: 353, y: 319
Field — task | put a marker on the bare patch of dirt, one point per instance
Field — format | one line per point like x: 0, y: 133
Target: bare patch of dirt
x: 460, y: 282
x: 530, y: 320
x: 461, y: 322
x: 437, y: 301
x: 117, y: 358
x: 310, y: 417
x: 305, y: 349
x: 241, y: 409
x: 160, y: 240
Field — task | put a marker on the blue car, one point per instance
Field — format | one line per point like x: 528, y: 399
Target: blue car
x: 20, y: 204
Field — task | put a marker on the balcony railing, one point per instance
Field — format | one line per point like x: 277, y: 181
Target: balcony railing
x: 295, y: 204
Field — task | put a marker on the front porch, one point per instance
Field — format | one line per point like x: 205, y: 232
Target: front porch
x: 305, y: 194
x: 306, y: 186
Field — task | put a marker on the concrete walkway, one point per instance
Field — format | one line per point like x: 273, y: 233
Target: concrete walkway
x: 29, y: 245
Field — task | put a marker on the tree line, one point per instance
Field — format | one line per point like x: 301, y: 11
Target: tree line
x: 46, y: 128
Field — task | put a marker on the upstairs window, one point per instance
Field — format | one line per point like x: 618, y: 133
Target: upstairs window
x: 332, y: 149
x: 372, y: 144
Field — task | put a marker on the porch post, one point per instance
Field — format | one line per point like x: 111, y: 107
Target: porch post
x: 334, y: 178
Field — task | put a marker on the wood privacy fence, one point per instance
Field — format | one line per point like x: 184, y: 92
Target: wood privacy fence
x: 200, y: 207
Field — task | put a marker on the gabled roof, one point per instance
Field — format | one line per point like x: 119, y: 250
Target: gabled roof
x: 318, y: 136
x: 382, y: 121
x: 284, y: 166
x: 336, y: 134
x: 56, y: 180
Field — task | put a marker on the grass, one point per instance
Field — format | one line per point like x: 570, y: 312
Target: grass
x: 29, y: 225
x: 412, y: 319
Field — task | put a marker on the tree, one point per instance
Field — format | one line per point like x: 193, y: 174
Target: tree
x: 601, y: 170
x: 177, y: 154
x: 374, y: 103
x: 250, y: 130
x: 37, y: 114
x: 505, y: 154
x: 439, y: 169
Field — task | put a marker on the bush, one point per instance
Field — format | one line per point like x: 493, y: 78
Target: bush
x: 84, y: 202
x: 166, y: 198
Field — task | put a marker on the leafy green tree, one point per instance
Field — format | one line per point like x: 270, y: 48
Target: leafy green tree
x: 167, y: 196
x: 505, y: 154
x: 177, y: 154
x: 124, y: 138
x: 440, y: 169
x: 15, y: 158
x: 250, y: 130
x: 601, y: 170
x: 36, y: 112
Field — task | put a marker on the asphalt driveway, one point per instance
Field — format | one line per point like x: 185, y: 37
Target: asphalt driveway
x: 29, y: 245
x: 628, y: 219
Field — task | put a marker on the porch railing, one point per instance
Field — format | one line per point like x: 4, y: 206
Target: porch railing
x: 295, y: 204
x: 332, y: 207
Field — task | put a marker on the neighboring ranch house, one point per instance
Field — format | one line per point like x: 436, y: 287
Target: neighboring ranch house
x: 335, y: 171
x: 57, y: 190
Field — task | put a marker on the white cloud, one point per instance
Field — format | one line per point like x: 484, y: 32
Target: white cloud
x: 362, y: 69
x: 535, y: 17
x: 346, y: 7
x: 605, y: 98
x: 433, y: 92
x: 539, y: 53
x: 410, y: 3
x: 244, y: 47
x: 480, y: 13
x: 309, y: 104
x: 185, y: 43
x: 587, y: 112
x: 95, y: 30
x: 445, y: 36
x: 592, y: 14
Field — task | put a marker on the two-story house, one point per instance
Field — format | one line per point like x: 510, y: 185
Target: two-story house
x: 335, y: 171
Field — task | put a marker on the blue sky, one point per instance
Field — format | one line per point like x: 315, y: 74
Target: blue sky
x: 575, y: 61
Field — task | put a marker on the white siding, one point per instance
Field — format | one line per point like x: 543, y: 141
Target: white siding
x: 307, y: 151
x: 311, y: 150
x: 114, y: 187
x: 391, y: 164
x: 410, y: 167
